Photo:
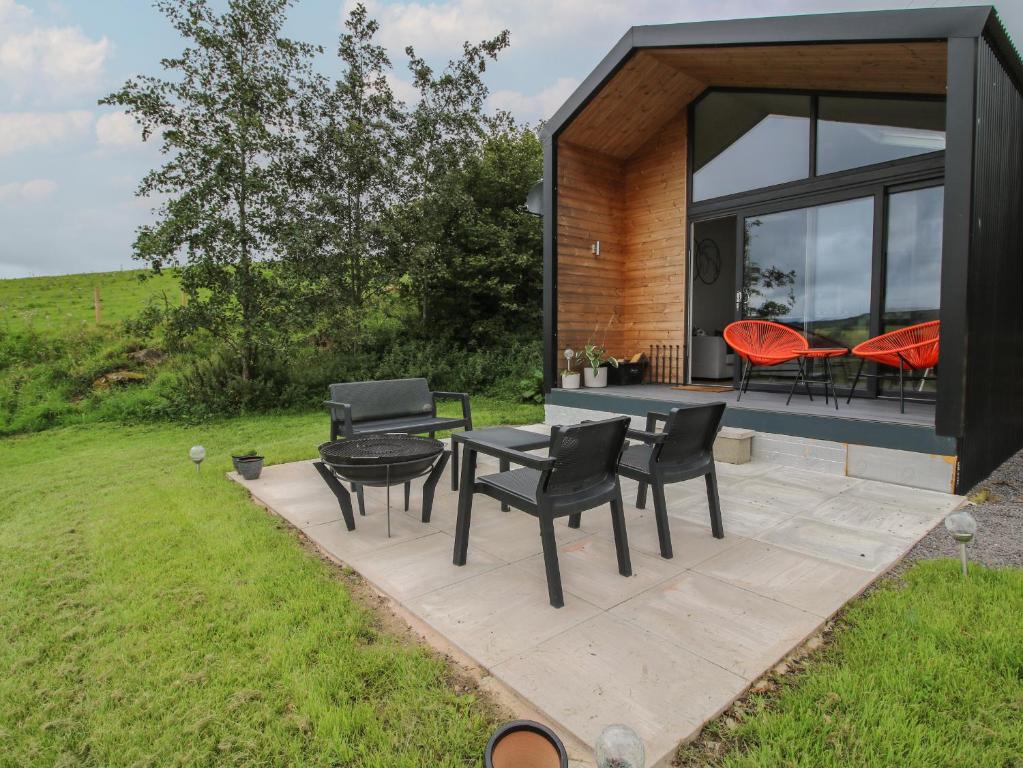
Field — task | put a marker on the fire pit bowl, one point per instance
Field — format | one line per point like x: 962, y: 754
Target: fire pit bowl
x: 383, y: 461
x: 380, y: 460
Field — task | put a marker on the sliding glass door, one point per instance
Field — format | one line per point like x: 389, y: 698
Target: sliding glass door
x: 810, y: 268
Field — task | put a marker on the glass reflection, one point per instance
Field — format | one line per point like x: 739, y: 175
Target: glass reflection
x: 810, y: 268
x: 746, y: 141
x: 853, y: 132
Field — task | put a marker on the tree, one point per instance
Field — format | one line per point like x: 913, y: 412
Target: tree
x: 226, y: 114
x: 487, y: 279
x: 445, y: 129
x: 350, y: 175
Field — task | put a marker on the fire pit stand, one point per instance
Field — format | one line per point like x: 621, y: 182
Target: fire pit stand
x: 381, y: 460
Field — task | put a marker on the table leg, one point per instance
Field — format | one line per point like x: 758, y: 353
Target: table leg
x: 343, y: 497
x: 431, y: 485
x: 465, y: 493
x: 505, y: 466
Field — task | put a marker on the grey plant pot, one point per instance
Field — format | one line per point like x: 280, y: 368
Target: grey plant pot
x: 249, y: 467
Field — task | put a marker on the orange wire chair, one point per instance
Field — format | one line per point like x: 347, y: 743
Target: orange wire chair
x: 913, y: 348
x: 766, y: 344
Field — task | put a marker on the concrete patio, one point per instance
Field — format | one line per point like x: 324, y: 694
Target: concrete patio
x: 664, y: 650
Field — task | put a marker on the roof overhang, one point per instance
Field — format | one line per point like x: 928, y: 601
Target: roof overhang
x: 933, y: 24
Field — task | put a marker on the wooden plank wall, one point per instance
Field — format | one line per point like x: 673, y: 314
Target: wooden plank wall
x: 636, y: 208
x: 590, y: 207
x: 655, y: 240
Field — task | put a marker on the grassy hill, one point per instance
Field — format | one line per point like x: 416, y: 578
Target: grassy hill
x: 55, y: 305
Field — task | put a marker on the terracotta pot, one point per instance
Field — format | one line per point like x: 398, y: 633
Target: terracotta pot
x: 570, y: 380
x: 598, y: 379
x: 525, y: 744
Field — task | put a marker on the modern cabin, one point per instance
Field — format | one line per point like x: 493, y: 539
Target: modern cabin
x: 842, y: 174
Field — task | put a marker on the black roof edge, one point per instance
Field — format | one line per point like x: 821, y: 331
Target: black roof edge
x: 857, y: 26
x: 1006, y: 50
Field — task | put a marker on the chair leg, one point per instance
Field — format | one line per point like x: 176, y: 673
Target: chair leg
x: 621, y: 535
x: 362, y: 499
x: 714, y: 502
x: 408, y: 493
x: 574, y: 521
x: 744, y: 380
x: 641, y: 496
x: 799, y: 378
x: 464, y: 510
x: 855, y: 381
x: 661, y: 515
x: 505, y: 466
x: 454, y: 465
x: 829, y: 382
x: 550, y: 561
x: 902, y: 389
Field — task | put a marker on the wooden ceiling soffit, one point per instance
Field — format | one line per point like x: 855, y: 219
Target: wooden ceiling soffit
x: 909, y: 67
x: 641, y: 97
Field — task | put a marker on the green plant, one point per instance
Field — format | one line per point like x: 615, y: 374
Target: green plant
x: 531, y: 387
x: 248, y: 453
x: 596, y: 354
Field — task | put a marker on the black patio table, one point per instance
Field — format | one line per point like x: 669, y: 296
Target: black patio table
x: 477, y: 441
x: 381, y: 461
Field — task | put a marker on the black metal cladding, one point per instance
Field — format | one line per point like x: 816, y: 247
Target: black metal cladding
x: 993, y: 402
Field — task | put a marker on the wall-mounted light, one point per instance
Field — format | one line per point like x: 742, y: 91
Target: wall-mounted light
x: 595, y: 248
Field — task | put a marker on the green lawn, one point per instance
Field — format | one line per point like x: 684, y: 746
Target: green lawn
x: 65, y: 302
x: 151, y: 615
x: 922, y: 674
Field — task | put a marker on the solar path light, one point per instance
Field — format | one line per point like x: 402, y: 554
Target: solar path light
x: 962, y: 526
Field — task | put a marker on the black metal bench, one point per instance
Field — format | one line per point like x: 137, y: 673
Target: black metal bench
x: 407, y: 406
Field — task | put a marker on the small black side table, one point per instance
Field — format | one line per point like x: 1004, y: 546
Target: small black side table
x: 477, y: 440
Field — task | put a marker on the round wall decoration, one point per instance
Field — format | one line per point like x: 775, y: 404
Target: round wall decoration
x: 708, y: 261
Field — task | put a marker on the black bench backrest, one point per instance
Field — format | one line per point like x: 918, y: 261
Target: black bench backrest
x: 389, y: 399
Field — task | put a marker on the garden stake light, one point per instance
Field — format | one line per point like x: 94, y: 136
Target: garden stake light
x: 197, y: 453
x: 962, y: 526
x: 618, y: 746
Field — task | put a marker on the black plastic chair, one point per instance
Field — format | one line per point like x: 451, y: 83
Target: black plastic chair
x: 683, y: 451
x: 579, y: 473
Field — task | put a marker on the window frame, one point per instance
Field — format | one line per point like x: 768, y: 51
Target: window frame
x: 908, y: 169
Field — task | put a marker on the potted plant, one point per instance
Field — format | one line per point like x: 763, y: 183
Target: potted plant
x: 569, y: 377
x: 248, y: 464
x: 595, y: 375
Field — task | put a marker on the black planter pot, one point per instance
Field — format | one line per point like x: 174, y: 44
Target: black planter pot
x: 249, y: 467
x: 525, y: 744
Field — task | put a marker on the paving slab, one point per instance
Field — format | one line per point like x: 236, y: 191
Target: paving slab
x: 849, y: 546
x: 736, y: 629
x: 606, y: 670
x: 494, y: 617
x: 663, y: 650
x: 589, y: 568
x: 423, y: 564
x: 814, y: 585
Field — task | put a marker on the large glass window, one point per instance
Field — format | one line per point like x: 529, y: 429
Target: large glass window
x: 810, y: 268
x: 912, y: 291
x: 853, y: 132
x: 745, y: 141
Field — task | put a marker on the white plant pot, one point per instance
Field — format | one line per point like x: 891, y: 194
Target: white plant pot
x: 570, y: 380
x: 598, y: 379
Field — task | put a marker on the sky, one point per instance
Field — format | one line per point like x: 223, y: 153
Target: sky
x: 69, y: 168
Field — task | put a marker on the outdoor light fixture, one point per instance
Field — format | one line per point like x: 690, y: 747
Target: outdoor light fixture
x: 197, y: 453
x: 618, y: 746
x: 569, y: 354
x: 962, y: 525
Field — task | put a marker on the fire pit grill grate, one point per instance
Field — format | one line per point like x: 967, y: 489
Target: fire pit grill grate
x: 380, y: 449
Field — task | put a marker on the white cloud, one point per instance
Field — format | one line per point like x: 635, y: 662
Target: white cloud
x: 537, y: 106
x: 26, y: 130
x: 433, y: 28
x: 41, y: 64
x: 118, y: 129
x: 402, y: 89
x: 31, y: 191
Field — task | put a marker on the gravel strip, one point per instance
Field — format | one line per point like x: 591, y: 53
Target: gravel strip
x: 998, y: 507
